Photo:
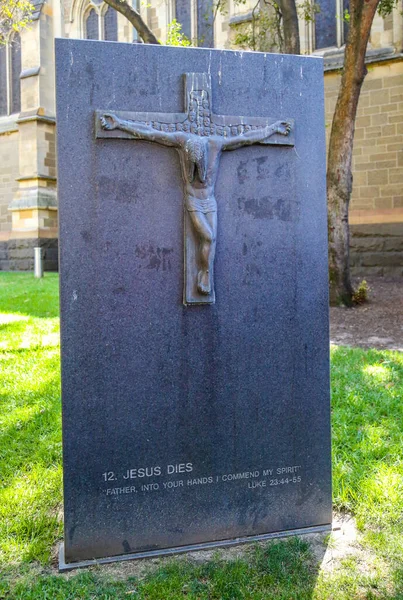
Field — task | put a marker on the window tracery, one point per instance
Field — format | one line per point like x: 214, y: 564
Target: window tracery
x: 100, y: 22
x: 10, y: 70
x: 329, y: 29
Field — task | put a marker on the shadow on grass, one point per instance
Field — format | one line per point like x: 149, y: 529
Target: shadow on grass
x: 21, y: 293
x: 367, y: 420
x: 278, y: 570
x: 30, y: 454
x: 368, y: 465
x: 398, y: 580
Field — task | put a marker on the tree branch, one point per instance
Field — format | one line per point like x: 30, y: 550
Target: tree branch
x: 134, y: 17
x: 254, y: 24
x: 290, y: 26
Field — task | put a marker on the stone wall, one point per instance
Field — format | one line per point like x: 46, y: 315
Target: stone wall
x: 377, y: 249
x: 18, y: 254
x: 153, y: 21
x: 376, y: 210
x: 9, y: 171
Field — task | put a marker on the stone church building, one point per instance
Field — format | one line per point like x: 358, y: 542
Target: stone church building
x: 28, y: 179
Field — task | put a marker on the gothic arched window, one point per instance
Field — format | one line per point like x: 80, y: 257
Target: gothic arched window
x: 183, y: 14
x: 92, y: 25
x: 325, y: 24
x: 330, y: 25
x: 15, y: 72
x: 3, y: 81
x: 110, y: 25
x: 101, y: 22
x: 10, y: 70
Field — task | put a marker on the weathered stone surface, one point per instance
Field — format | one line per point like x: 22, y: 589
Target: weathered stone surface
x: 20, y: 264
x: 21, y: 253
x: 354, y: 260
x: 367, y: 271
x: 18, y: 254
x: 3, y: 251
x: 190, y: 424
x: 377, y: 230
x: 382, y: 259
x: 377, y: 249
x: 394, y: 244
x: 366, y: 244
x: 4, y: 263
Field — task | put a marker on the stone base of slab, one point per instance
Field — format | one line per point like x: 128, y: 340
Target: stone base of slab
x: 18, y: 254
x: 63, y: 566
x: 376, y: 249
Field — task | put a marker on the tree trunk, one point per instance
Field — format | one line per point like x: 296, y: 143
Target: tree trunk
x: 339, y: 175
x: 135, y: 19
x: 290, y: 26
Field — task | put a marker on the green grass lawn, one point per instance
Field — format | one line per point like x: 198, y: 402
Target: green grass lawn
x: 367, y: 394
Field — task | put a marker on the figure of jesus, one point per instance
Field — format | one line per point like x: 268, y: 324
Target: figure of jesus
x: 200, y: 143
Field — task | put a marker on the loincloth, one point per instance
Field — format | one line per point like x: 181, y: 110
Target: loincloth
x: 203, y: 205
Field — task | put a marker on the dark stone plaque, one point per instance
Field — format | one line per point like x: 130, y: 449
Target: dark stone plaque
x: 191, y: 424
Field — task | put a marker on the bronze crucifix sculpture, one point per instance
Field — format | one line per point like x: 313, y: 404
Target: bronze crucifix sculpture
x: 200, y: 137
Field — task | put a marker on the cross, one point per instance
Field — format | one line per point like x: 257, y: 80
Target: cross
x: 200, y: 136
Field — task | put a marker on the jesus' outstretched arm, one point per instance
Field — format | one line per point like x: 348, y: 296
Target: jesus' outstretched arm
x: 140, y: 131
x: 256, y: 136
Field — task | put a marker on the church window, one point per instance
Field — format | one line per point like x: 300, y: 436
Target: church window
x: 325, y: 25
x: 196, y: 19
x: 92, y: 25
x: 183, y: 14
x: 111, y: 25
x: 15, y: 72
x: 10, y: 70
x: 3, y: 81
x: 101, y: 22
x: 330, y: 28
